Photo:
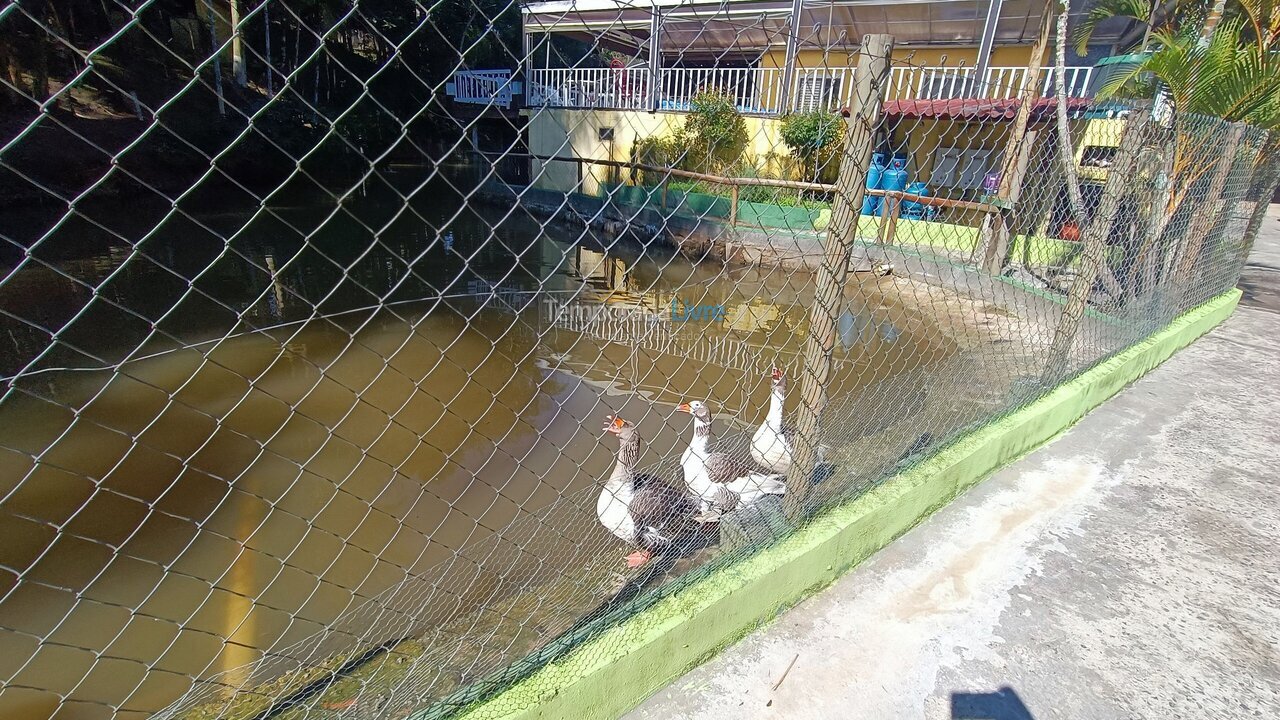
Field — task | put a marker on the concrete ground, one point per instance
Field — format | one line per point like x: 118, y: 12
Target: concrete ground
x: 1130, y: 569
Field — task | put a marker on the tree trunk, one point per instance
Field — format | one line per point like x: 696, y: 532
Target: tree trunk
x: 1095, y: 243
x: 214, y: 57
x: 266, y: 34
x: 238, y: 69
x: 1203, y: 220
x: 869, y: 80
x: 1266, y: 178
x: 1211, y: 21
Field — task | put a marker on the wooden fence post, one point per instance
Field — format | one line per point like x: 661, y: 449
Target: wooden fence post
x: 1093, y: 260
x: 733, y: 205
x: 870, y: 80
x: 1202, y: 221
x: 1017, y: 154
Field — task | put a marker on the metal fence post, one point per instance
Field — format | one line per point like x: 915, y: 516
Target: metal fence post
x: 870, y: 79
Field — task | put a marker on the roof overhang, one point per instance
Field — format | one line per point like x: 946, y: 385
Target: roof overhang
x: 1042, y: 110
x: 691, y: 26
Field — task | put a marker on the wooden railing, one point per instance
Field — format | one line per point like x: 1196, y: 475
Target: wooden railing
x: 892, y: 199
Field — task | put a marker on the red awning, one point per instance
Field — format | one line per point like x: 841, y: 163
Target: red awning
x: 978, y: 109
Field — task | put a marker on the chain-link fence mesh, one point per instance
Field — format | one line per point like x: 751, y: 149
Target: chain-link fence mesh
x: 314, y: 311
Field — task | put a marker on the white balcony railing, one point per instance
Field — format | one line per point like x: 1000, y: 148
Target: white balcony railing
x: 759, y: 90
x: 938, y: 83
x: 482, y: 87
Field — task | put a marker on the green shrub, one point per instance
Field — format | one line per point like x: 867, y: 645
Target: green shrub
x: 662, y: 152
x: 715, y: 131
x: 816, y: 138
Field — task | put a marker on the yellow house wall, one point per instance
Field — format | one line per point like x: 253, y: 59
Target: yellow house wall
x: 576, y: 133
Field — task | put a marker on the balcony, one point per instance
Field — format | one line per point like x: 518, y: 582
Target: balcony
x: 758, y: 91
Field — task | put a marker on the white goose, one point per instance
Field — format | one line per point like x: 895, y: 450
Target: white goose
x: 640, y: 509
x: 771, y: 445
x: 718, y: 480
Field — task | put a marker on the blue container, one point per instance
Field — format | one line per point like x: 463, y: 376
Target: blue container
x: 916, y: 210
x: 871, y: 204
x: 894, y: 178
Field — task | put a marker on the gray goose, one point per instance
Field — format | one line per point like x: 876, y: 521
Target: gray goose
x: 640, y: 509
x: 721, y: 482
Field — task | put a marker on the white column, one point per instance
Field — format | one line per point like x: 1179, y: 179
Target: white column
x: 984, y: 47
x: 789, y: 68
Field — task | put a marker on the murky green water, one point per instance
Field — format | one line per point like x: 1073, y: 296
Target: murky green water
x: 298, y: 419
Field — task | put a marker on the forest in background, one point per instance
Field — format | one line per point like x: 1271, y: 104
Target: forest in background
x: 107, y: 98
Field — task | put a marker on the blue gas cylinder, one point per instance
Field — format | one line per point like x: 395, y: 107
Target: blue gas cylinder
x: 894, y: 178
x: 912, y: 209
x: 870, y: 203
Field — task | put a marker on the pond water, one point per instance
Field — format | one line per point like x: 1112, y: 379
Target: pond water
x: 229, y: 445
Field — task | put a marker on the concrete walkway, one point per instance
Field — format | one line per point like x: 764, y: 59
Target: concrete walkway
x: 1131, y: 569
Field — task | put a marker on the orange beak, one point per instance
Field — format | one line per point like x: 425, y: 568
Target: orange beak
x: 613, y: 424
x: 683, y: 407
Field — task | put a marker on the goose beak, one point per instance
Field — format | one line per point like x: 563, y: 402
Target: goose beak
x: 776, y: 374
x: 613, y: 424
x: 684, y: 407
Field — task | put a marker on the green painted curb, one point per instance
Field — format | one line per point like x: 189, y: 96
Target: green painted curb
x: 613, y: 672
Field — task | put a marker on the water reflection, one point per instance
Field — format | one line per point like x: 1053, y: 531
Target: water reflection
x: 311, y: 424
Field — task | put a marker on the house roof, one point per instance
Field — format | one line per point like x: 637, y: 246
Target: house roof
x: 979, y: 109
x: 692, y: 26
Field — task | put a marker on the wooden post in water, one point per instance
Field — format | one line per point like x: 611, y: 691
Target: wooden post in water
x: 869, y: 81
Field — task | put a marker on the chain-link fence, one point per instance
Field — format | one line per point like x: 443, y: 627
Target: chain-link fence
x: 314, y: 311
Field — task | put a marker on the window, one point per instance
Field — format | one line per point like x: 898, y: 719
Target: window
x: 818, y: 92
x: 962, y: 168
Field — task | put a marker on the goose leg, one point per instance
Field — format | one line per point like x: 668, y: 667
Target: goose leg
x: 638, y: 558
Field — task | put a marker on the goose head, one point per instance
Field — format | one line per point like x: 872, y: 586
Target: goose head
x: 778, y: 379
x: 615, y: 425
x: 698, y: 409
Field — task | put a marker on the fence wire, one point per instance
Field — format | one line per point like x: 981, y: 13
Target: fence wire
x: 359, y: 357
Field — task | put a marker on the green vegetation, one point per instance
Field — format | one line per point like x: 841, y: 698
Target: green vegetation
x: 715, y: 130
x: 816, y: 138
x: 712, y: 140
x: 1233, y: 74
x: 1208, y: 61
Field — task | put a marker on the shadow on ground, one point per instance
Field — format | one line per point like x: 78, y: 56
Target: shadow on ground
x: 1003, y: 704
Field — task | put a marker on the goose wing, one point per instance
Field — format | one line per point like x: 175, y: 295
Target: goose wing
x: 660, y: 506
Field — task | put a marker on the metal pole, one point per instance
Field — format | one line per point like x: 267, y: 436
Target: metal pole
x: 984, y: 46
x: 789, y: 66
x: 870, y: 80
x: 655, y: 58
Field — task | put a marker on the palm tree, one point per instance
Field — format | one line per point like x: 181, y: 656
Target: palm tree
x: 1227, y: 68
